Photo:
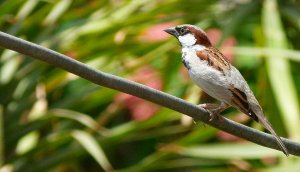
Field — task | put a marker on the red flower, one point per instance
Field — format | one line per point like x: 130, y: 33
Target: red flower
x: 156, y: 33
x: 139, y: 108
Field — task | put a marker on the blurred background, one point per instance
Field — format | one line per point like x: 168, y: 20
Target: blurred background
x: 51, y: 120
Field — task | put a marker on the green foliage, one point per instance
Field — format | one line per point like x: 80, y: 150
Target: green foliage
x: 51, y: 120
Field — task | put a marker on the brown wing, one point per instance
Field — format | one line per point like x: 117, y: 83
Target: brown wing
x: 215, y: 59
x: 239, y: 100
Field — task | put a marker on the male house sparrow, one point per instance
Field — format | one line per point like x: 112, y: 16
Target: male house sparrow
x: 211, y: 71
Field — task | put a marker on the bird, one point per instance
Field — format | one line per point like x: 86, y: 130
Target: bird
x: 215, y: 75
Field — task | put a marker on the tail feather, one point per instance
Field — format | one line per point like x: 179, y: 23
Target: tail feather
x: 244, y: 100
x: 263, y: 121
x: 259, y: 117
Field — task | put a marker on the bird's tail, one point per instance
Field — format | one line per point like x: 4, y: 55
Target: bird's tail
x: 263, y: 121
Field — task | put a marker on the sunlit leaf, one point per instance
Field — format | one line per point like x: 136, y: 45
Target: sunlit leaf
x: 27, y: 143
x: 57, y: 11
x: 91, y: 145
x: 268, y: 52
x: 79, y: 117
x: 279, y: 70
x: 232, y: 151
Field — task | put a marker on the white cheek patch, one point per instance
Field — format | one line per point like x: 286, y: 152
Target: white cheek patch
x: 187, y: 40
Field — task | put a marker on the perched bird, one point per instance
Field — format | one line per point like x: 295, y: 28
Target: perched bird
x: 213, y: 73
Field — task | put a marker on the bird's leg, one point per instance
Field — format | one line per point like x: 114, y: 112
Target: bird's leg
x: 216, y: 112
x: 217, y: 109
x: 208, y: 106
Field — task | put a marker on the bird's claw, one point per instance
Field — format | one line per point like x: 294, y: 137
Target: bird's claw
x: 217, y: 109
x: 213, y: 115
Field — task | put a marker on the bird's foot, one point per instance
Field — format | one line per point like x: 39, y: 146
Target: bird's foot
x: 214, y: 114
x: 216, y: 109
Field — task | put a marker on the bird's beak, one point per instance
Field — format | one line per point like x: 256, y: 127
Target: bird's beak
x: 172, y: 31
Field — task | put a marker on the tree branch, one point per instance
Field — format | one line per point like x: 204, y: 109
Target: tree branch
x: 142, y: 91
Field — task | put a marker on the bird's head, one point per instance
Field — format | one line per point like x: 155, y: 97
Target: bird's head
x: 189, y: 35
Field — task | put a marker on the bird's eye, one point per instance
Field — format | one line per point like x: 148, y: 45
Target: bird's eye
x: 183, y: 31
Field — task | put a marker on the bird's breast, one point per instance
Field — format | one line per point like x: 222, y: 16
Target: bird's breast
x: 212, y: 81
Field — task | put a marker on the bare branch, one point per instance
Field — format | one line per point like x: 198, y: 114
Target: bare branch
x: 142, y: 91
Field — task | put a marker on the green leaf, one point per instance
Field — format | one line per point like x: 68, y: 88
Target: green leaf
x: 91, y: 146
x: 79, y: 117
x: 279, y: 69
x: 268, y: 52
x: 57, y: 11
x: 27, y: 142
x: 229, y: 151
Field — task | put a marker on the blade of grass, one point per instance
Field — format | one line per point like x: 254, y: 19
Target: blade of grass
x: 79, y: 117
x: 287, y: 166
x: 100, y: 23
x: 57, y: 11
x: 24, y: 11
x: 267, y: 52
x: 27, y: 142
x: 9, y: 68
x: 91, y: 145
x: 227, y: 151
x: 279, y: 70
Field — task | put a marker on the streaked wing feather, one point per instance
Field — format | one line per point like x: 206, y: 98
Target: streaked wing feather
x: 214, y: 59
x: 239, y: 100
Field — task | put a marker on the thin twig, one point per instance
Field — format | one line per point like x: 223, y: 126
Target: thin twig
x: 142, y: 91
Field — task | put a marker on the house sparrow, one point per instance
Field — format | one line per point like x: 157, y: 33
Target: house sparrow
x: 211, y: 71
